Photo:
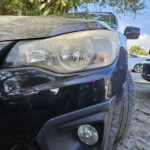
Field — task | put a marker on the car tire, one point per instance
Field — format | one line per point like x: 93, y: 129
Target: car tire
x: 129, y: 102
x: 138, y: 68
x: 128, y: 107
x: 120, y: 125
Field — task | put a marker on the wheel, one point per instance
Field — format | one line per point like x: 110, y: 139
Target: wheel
x: 138, y: 68
x: 128, y: 107
x: 123, y: 109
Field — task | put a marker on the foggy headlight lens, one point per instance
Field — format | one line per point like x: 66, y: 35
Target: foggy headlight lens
x: 68, y: 53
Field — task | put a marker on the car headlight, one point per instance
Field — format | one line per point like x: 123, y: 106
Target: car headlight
x: 68, y: 53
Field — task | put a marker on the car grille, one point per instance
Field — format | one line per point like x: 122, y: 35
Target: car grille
x: 18, y: 132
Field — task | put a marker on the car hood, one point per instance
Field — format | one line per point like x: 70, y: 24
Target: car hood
x: 25, y: 27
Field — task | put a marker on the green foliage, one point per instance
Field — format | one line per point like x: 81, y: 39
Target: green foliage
x: 138, y: 50
x: 20, y: 7
x: 46, y: 7
x: 125, y: 6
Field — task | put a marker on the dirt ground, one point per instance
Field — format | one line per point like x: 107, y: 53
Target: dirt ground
x: 138, y: 137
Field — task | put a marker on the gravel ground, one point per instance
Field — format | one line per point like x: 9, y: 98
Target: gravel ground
x: 138, y: 137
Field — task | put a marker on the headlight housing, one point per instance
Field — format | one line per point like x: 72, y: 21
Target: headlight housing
x: 68, y: 53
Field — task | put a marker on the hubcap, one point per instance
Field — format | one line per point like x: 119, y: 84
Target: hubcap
x: 138, y: 68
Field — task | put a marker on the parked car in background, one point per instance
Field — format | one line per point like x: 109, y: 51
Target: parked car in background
x: 64, y: 83
x: 135, y: 63
x: 146, y: 70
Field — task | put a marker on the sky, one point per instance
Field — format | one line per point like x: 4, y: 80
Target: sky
x: 142, y: 21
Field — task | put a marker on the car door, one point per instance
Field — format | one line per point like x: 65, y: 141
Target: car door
x: 132, y: 60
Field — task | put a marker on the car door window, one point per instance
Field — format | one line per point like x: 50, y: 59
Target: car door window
x: 132, y: 56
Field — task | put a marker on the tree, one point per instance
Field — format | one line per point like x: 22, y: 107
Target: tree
x: 46, y: 7
x: 138, y: 50
x: 124, y: 6
x: 20, y: 7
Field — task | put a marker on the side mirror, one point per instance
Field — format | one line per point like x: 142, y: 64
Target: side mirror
x: 132, y: 32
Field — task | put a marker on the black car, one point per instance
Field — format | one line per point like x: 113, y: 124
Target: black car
x: 146, y: 70
x: 64, y: 83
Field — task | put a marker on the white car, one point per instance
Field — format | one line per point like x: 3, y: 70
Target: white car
x: 135, y: 63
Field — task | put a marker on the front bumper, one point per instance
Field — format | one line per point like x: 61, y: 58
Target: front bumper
x: 60, y: 133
